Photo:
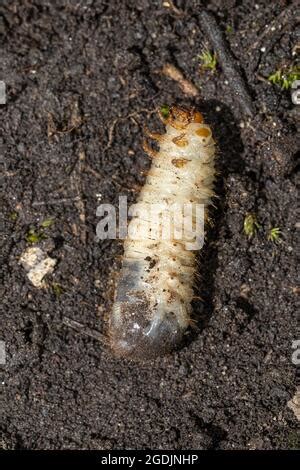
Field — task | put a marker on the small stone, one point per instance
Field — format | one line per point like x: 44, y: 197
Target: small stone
x: 294, y: 404
x: 37, y: 264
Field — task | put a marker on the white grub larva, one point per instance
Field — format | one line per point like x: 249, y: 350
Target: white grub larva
x: 152, y: 305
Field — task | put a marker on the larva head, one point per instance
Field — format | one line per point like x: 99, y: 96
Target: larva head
x: 186, y: 128
x: 180, y: 118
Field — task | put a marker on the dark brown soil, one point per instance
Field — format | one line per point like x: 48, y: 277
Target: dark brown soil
x: 71, y: 69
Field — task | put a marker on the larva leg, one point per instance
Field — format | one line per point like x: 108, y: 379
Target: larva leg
x: 147, y: 149
x: 153, y: 135
x: 152, y: 305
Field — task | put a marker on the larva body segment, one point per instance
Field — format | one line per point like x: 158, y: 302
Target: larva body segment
x: 152, y: 306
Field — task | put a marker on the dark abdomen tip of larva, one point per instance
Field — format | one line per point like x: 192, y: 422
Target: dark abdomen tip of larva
x: 134, y: 337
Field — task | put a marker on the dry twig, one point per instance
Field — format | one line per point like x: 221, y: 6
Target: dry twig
x: 84, y: 329
x: 227, y: 62
x: 175, y: 74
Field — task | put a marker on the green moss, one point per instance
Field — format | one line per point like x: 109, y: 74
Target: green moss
x: 13, y: 216
x: 34, y: 236
x: 285, y: 77
x: 165, y: 111
x: 47, y: 223
x: 208, y: 60
x: 274, y: 235
x: 58, y: 290
x: 251, y: 225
